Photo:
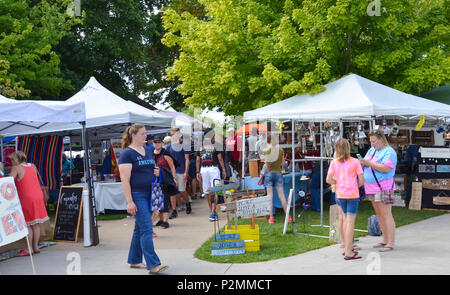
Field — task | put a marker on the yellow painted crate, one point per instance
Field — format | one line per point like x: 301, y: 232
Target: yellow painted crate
x: 247, y: 233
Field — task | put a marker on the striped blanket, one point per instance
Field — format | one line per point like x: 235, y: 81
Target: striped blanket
x: 45, y: 152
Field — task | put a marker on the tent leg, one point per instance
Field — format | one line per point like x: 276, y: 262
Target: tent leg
x: 288, y: 209
x: 90, y: 185
x: 243, y: 151
x: 1, y: 154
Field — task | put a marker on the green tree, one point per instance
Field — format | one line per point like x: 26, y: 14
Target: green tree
x: 249, y: 53
x: 29, y: 30
x: 7, y: 87
x: 119, y: 43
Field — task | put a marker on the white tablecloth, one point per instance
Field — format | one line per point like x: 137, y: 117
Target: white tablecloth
x: 108, y: 195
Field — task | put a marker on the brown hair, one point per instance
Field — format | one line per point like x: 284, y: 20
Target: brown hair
x: 126, y: 136
x: 378, y: 133
x: 342, y: 152
x: 18, y: 157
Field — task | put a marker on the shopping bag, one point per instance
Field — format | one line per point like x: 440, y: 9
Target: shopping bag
x: 373, y: 226
x: 157, y: 195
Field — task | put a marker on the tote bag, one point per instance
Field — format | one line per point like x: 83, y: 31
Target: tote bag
x: 157, y: 194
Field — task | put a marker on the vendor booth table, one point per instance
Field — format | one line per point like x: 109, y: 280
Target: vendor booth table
x: 108, y: 195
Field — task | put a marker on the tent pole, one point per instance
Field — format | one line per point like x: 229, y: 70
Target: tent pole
x: 243, y: 151
x: 70, y: 156
x: 90, y: 185
x: 1, y: 154
x: 321, y: 179
x: 293, y: 176
x: 321, y: 175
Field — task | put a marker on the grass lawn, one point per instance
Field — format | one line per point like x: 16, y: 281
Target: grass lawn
x: 275, y: 245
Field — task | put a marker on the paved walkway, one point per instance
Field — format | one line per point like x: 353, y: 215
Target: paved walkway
x: 422, y: 248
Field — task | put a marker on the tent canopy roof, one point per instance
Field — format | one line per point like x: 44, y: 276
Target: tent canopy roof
x: 107, y: 115
x: 350, y: 97
x: 182, y: 119
x: 27, y: 116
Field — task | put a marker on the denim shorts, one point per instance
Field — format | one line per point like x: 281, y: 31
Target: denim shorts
x: 273, y: 180
x: 349, y: 206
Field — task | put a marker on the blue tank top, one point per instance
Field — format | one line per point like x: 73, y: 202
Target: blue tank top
x: 142, y: 169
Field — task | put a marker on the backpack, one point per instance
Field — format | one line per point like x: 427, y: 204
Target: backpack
x: 373, y: 227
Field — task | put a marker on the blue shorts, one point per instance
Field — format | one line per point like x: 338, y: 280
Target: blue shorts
x: 349, y: 206
x: 273, y: 180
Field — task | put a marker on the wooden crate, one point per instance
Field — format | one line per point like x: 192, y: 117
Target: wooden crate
x: 402, y: 137
x: 425, y: 138
x: 246, y: 234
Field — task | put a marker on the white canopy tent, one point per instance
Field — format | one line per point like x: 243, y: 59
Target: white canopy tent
x: 349, y: 98
x: 183, y: 120
x: 107, y: 115
x: 18, y: 117
x: 32, y: 116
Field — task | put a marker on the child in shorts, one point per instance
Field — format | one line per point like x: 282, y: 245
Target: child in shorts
x: 346, y: 173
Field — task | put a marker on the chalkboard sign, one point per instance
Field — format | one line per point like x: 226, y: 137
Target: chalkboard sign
x: 68, y: 213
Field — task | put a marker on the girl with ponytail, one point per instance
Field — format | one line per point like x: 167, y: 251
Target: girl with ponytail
x: 137, y: 172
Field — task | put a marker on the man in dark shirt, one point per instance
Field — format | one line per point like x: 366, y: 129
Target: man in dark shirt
x: 178, y: 151
x: 208, y: 172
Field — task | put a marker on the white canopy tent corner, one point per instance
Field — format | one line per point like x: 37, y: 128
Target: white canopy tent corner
x: 22, y: 117
x: 350, y: 98
x: 105, y: 115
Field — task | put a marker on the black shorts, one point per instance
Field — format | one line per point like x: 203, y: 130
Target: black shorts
x: 166, y: 204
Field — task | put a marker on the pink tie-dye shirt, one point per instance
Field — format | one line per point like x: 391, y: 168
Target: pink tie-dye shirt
x: 346, y: 174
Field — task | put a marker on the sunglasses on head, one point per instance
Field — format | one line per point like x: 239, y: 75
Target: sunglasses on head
x: 378, y: 132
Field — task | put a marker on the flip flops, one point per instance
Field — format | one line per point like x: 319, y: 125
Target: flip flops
x: 355, y: 256
x: 386, y: 249
x: 380, y: 245
x: 22, y: 253
x: 140, y: 266
x: 159, y: 269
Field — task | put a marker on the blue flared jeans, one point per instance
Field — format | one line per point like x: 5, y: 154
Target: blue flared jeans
x: 142, y: 241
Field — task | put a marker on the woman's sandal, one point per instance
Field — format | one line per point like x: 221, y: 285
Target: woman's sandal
x: 380, y: 245
x: 22, y: 253
x: 140, y: 266
x: 355, y: 256
x: 158, y: 269
x: 386, y: 249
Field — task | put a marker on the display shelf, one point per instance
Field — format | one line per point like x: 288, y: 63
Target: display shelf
x: 425, y: 138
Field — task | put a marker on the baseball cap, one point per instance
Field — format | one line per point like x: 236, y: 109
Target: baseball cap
x: 149, y: 137
x: 157, y: 138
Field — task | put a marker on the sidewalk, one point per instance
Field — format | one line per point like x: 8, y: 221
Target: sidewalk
x: 422, y: 248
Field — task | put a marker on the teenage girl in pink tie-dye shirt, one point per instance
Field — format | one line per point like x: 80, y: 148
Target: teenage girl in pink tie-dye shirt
x: 346, y: 173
